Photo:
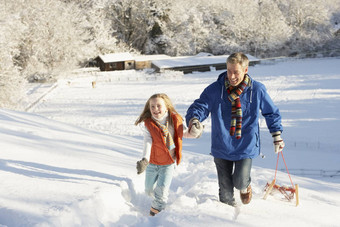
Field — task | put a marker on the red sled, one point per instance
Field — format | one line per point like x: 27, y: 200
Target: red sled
x: 288, y: 192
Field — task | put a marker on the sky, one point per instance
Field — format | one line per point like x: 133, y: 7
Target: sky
x: 70, y: 158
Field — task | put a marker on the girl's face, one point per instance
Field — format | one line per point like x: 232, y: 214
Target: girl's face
x: 157, y: 108
x: 235, y: 73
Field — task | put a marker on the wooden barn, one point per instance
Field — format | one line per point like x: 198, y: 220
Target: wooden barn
x: 111, y: 62
x: 145, y: 61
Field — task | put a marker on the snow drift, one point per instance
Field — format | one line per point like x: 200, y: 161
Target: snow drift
x: 72, y: 161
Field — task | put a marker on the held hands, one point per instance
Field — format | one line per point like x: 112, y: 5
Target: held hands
x: 278, y: 142
x: 141, y: 165
x: 195, y: 128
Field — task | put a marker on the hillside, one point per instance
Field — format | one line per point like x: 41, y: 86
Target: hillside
x: 70, y: 160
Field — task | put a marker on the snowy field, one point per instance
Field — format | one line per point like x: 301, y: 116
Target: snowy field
x: 69, y: 160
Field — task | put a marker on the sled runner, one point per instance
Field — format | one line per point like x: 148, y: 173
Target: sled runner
x: 288, y: 192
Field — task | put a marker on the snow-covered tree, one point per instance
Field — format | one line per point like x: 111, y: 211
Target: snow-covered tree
x: 189, y: 28
x: 309, y: 22
x: 98, y: 14
x: 39, y: 39
x: 54, y: 39
x: 138, y: 23
x: 11, y: 82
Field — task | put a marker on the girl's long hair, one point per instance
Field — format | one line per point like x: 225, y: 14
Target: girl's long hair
x: 146, y: 112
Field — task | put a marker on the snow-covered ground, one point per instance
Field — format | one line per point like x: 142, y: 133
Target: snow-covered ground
x: 70, y: 160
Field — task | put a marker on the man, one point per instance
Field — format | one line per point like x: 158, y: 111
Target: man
x: 234, y: 102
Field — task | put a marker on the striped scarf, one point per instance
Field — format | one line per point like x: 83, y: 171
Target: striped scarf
x: 236, y: 109
x: 169, y: 142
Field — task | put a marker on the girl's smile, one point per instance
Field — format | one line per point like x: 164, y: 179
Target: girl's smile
x: 157, y: 108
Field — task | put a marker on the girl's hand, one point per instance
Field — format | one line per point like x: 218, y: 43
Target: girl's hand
x: 141, y: 165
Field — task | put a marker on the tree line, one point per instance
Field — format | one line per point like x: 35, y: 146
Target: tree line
x: 43, y: 39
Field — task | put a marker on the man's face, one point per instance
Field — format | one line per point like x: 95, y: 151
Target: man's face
x: 235, y: 73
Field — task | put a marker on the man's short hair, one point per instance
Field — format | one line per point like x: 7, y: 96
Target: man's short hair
x: 238, y: 58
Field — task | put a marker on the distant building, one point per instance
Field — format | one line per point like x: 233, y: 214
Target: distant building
x: 199, y: 63
x: 145, y: 61
x: 119, y: 61
x: 187, y: 64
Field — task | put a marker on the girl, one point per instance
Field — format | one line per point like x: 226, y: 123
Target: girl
x: 163, y: 133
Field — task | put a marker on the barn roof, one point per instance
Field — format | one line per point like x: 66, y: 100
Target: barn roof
x: 117, y: 57
x: 151, y: 57
x: 194, y: 60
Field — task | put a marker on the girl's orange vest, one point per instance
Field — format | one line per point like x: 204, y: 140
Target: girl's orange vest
x: 160, y: 154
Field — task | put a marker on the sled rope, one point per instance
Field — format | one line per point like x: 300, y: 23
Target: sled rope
x: 284, y: 161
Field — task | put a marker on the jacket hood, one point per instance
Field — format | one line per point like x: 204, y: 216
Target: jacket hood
x: 221, y: 77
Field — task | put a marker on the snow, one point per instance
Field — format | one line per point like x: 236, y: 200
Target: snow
x: 70, y: 160
x: 116, y: 57
x: 151, y: 57
x: 194, y: 61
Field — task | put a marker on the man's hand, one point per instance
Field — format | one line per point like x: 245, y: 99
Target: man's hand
x: 195, y: 128
x: 278, y: 142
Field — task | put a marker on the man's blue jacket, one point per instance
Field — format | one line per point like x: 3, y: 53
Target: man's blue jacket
x: 214, y: 100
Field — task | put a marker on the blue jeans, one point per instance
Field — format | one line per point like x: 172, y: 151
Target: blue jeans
x: 157, y: 183
x: 232, y: 174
